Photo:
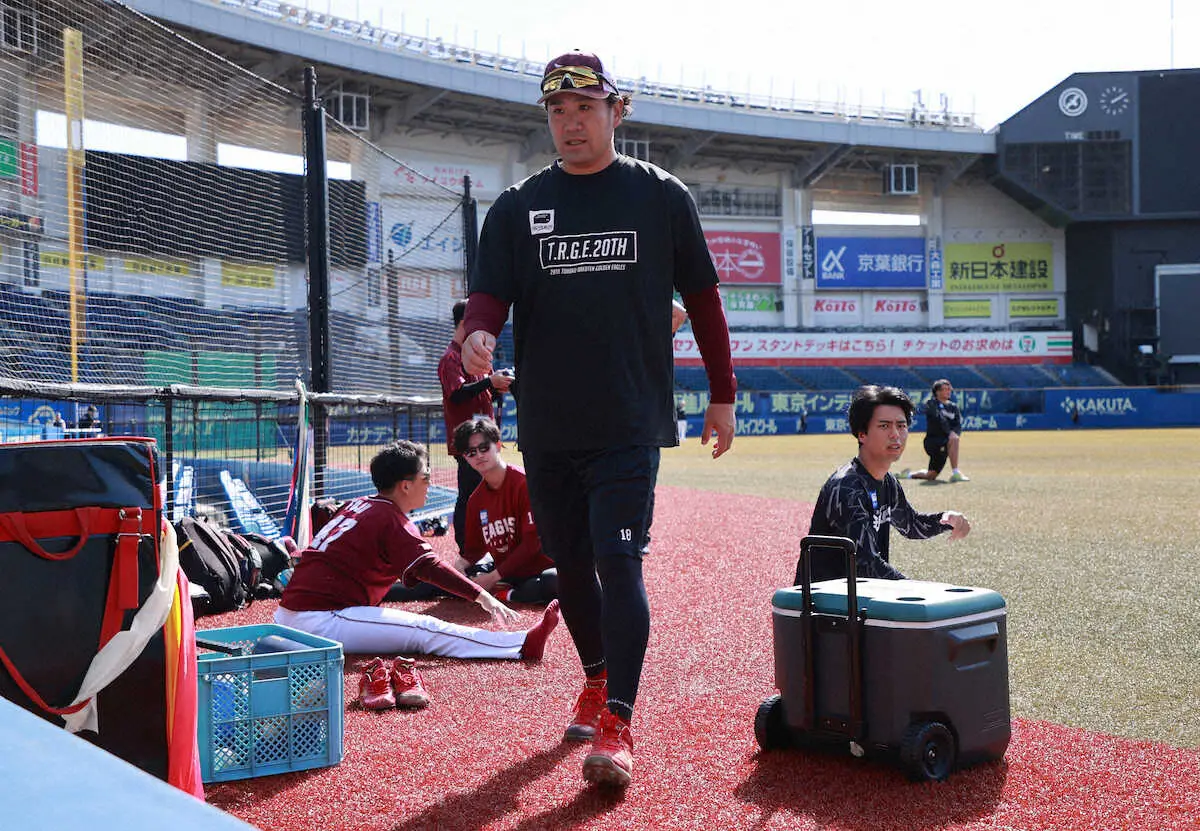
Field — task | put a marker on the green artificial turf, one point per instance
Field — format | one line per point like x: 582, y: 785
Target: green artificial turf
x: 1092, y: 537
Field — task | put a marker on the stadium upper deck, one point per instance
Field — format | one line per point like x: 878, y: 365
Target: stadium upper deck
x: 1050, y: 233
x: 416, y: 81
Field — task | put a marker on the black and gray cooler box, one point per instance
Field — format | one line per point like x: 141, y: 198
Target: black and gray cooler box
x: 918, y: 675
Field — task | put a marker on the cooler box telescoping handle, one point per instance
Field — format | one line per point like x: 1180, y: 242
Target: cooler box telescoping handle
x: 853, y: 634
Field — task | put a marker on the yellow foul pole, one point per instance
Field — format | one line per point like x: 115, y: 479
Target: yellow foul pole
x: 73, y: 87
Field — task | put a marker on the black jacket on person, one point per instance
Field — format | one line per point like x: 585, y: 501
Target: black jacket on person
x: 853, y: 504
x: 941, y: 419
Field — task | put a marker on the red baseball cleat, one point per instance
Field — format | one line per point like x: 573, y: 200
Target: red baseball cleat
x: 591, y: 705
x: 375, y: 688
x: 611, y: 759
x: 406, y: 681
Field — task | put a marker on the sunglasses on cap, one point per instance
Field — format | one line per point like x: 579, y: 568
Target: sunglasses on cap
x: 482, y: 447
x: 574, y: 77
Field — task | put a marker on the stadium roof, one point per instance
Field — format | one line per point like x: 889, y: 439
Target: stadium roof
x: 423, y: 87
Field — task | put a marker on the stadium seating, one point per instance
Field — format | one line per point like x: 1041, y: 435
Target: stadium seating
x: 506, y: 350
x: 963, y: 377
x: 690, y: 378
x: 822, y: 377
x: 762, y: 378
x: 893, y: 376
x: 38, y: 325
x: 1016, y: 376
x: 1084, y: 375
x: 997, y: 378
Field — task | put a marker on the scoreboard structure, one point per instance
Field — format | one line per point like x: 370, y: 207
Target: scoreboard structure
x: 1113, y: 158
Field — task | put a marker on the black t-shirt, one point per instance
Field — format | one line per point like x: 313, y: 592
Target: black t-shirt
x: 589, y: 264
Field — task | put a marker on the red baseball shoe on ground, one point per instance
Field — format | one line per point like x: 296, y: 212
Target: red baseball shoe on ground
x: 406, y: 683
x: 375, y: 687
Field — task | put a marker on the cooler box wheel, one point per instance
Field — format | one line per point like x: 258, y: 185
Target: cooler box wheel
x: 927, y: 751
x: 769, y: 726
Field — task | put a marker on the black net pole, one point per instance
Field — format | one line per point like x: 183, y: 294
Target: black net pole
x: 391, y: 276
x: 470, y: 234
x: 316, y: 185
x: 169, y: 452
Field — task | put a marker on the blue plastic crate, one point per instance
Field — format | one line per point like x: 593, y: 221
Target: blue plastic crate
x: 268, y: 713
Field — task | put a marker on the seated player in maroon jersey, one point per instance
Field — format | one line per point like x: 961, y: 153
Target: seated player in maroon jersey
x: 499, y: 521
x: 371, y: 543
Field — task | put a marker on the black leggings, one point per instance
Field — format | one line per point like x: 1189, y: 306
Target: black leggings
x: 593, y: 511
x: 468, y: 480
x: 539, y: 589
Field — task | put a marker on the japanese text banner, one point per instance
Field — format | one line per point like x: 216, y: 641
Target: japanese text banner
x: 896, y: 347
x: 999, y: 267
x: 870, y: 262
x: 745, y: 256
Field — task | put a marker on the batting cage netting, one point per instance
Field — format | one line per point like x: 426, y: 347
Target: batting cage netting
x: 152, y: 225
x: 153, y: 239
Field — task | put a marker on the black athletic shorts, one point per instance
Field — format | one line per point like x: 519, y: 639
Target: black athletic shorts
x: 592, y: 503
x: 936, y: 447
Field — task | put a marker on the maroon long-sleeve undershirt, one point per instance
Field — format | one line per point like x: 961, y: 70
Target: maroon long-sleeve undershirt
x: 488, y: 313
x: 438, y: 573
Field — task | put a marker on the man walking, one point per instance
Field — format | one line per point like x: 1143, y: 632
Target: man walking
x: 588, y: 253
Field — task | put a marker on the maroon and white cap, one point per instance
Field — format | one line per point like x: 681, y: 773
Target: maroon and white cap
x: 579, y: 72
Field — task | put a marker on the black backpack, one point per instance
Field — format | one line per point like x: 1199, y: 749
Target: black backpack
x: 210, y: 560
x: 248, y: 558
x: 272, y: 553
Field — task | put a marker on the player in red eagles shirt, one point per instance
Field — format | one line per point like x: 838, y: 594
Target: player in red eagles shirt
x: 500, y: 521
x: 369, y: 544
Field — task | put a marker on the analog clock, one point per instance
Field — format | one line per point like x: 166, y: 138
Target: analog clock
x: 1114, y: 100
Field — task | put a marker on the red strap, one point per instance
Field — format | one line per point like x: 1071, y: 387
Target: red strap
x: 32, y: 693
x: 125, y: 562
x: 50, y: 524
x: 126, y: 523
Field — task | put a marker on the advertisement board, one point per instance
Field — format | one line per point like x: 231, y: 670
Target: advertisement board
x: 750, y: 300
x: 1034, y: 307
x: 808, y: 253
x: 422, y: 233
x: 789, y: 256
x: 976, y: 307
x: 247, y: 275
x: 836, y: 309
x: 158, y: 267
x: 999, y: 267
x: 776, y: 348
x: 870, y: 262
x: 374, y: 233
x: 936, y: 282
x: 487, y: 178
x: 895, y: 310
x: 745, y: 257
x: 8, y: 159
